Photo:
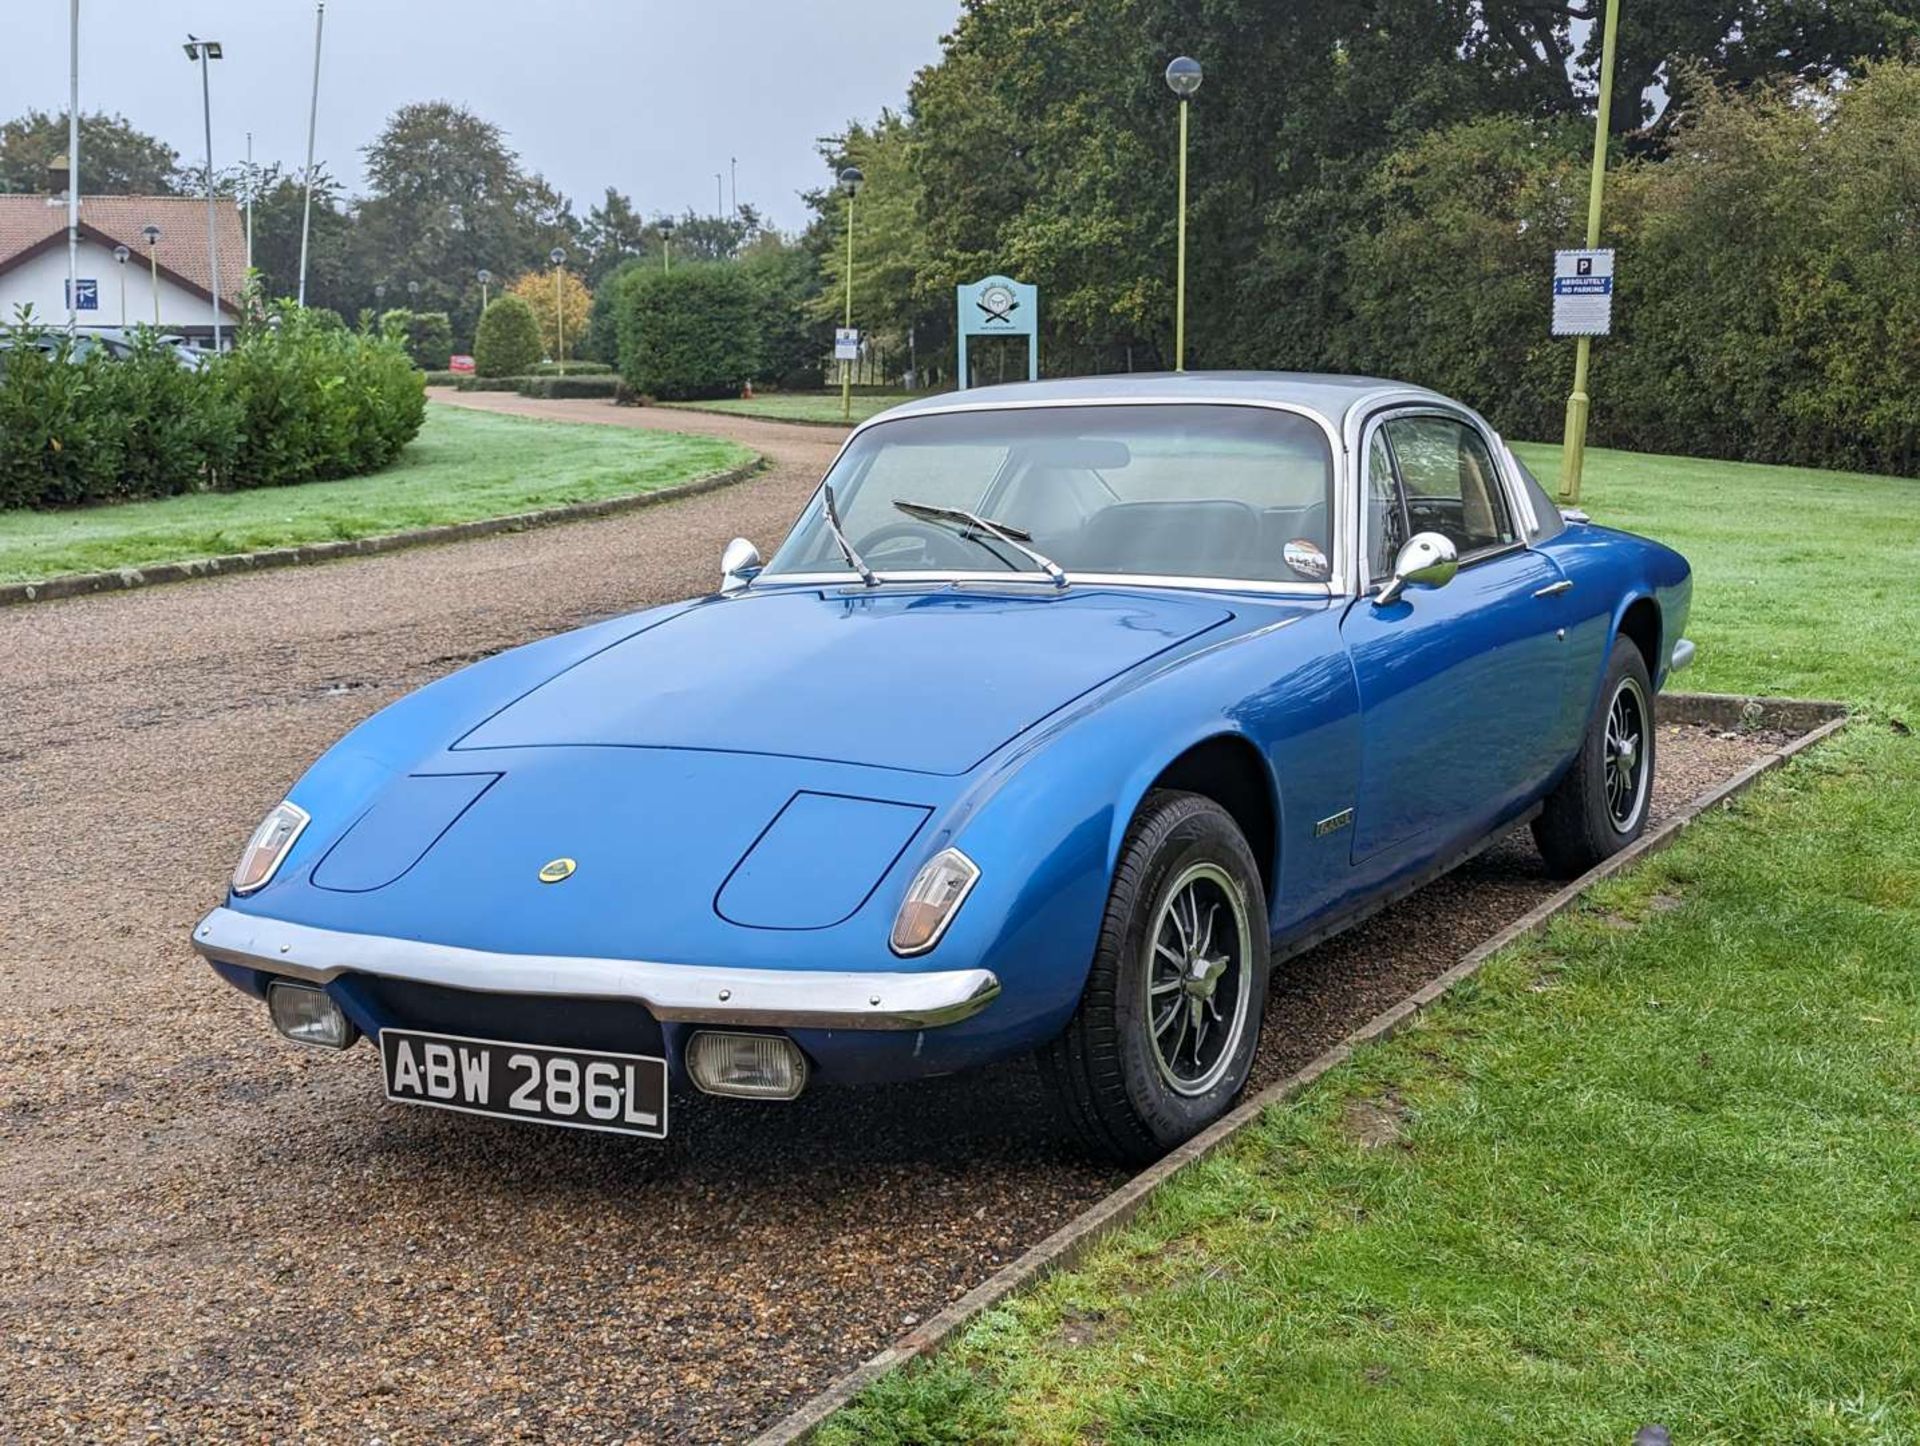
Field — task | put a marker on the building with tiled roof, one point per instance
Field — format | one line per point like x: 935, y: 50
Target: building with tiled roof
x: 169, y: 284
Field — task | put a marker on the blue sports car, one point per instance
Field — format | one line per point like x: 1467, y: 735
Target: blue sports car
x: 1063, y: 713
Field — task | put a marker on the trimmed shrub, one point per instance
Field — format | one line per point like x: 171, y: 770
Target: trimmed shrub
x: 589, y: 386
x: 688, y: 333
x: 427, y: 335
x: 571, y: 369
x: 507, y: 343
x: 603, y: 317
x: 316, y: 403
x: 445, y: 379
x: 292, y: 403
x: 489, y: 384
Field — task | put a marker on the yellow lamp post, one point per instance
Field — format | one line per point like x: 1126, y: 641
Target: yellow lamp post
x: 1573, y: 450
x: 485, y: 278
x: 665, y: 228
x: 851, y: 179
x: 1183, y: 79
x: 559, y: 259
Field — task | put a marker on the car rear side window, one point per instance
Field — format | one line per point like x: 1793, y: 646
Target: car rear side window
x: 1450, y: 482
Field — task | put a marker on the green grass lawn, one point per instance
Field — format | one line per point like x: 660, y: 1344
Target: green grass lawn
x: 1661, y: 1164
x: 463, y: 466
x: 803, y: 406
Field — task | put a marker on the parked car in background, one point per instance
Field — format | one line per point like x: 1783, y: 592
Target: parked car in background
x: 116, y: 343
x: 1065, y: 712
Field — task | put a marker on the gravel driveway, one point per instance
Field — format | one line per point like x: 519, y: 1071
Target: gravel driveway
x: 212, y: 1235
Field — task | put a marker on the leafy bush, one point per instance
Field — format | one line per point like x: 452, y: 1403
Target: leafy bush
x: 428, y: 336
x: 489, y: 384
x: 603, y: 317
x: 688, y: 333
x: 793, y: 343
x: 317, y: 403
x: 507, y: 343
x: 445, y: 378
x: 291, y: 403
x: 571, y: 369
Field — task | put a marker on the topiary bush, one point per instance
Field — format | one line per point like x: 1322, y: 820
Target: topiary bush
x: 428, y: 336
x: 688, y: 333
x: 606, y: 387
x: 507, y: 343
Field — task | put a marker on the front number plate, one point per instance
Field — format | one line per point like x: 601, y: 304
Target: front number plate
x: 582, y: 1090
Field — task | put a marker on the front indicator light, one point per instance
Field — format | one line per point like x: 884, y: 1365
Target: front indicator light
x: 750, y: 1066
x: 306, y: 1015
x: 937, y: 893
x: 268, y: 846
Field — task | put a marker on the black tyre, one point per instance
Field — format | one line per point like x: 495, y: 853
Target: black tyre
x: 1168, y: 1024
x: 1601, y: 805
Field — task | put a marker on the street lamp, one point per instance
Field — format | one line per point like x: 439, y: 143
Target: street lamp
x: 485, y: 277
x: 559, y: 259
x: 851, y: 180
x: 1183, y: 79
x: 413, y: 294
x: 665, y: 227
x: 120, y: 254
x: 201, y: 52
x: 151, y: 234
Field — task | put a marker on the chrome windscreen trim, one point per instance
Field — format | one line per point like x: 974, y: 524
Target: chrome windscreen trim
x: 783, y: 998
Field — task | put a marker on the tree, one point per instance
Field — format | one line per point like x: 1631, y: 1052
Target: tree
x: 507, y: 343
x: 115, y: 159
x: 894, y: 285
x: 449, y: 198
x: 536, y: 288
x: 277, y: 212
x: 612, y: 233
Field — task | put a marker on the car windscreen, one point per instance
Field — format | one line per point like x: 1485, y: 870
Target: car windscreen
x: 1163, y: 490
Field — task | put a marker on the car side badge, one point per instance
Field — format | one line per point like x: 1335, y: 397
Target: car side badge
x: 557, y: 870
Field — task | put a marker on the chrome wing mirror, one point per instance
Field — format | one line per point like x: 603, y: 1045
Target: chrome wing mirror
x: 1428, y: 559
x: 739, y: 565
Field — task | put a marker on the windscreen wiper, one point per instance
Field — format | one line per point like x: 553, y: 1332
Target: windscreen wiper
x: 1015, y: 537
x: 854, y: 560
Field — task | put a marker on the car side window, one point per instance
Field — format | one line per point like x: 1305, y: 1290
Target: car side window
x: 1386, y: 513
x: 1451, y: 485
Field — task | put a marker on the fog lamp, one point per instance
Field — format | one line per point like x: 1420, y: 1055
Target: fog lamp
x: 752, y: 1066
x: 935, y: 896
x: 306, y: 1015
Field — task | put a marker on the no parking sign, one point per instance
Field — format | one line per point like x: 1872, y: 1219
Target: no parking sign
x: 1582, y: 293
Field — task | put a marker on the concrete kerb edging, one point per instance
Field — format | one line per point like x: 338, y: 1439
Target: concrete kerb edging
x: 751, y: 416
x: 1070, y: 1243
x: 81, y: 584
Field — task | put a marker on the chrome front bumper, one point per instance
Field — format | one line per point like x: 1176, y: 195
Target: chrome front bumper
x: 1682, y: 655
x: 789, y: 999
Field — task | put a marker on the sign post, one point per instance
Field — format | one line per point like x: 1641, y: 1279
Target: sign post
x: 1573, y: 451
x: 999, y: 306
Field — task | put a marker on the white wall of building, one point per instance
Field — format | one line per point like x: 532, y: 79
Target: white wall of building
x: 42, y: 282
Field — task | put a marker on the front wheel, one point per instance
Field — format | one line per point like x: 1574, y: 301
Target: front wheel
x: 1601, y: 805
x: 1167, y: 1027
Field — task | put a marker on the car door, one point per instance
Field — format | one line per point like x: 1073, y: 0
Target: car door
x: 1460, y: 686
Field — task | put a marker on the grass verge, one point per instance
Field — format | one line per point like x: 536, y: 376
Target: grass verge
x: 802, y: 406
x: 465, y: 465
x: 1656, y: 1165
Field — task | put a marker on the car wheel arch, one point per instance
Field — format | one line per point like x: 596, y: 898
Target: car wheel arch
x: 1228, y: 768
x: 1640, y: 622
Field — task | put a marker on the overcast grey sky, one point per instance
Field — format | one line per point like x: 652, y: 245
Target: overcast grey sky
x: 651, y: 96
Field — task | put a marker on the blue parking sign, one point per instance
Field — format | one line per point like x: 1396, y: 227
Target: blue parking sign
x: 83, y: 294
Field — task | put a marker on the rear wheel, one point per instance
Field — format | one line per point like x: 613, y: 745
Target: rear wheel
x: 1601, y: 805
x: 1167, y: 1027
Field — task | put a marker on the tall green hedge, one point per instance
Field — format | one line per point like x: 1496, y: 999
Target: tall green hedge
x: 290, y: 403
x: 692, y: 332
x: 507, y: 343
x: 1768, y: 291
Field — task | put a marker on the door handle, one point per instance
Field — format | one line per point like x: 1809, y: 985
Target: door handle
x: 1554, y: 589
